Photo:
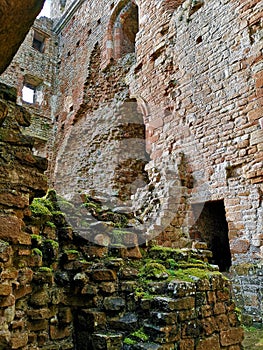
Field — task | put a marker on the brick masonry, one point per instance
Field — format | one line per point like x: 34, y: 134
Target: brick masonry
x: 196, y: 81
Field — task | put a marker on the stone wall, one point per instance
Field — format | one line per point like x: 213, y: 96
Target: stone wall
x: 60, y: 291
x: 207, y: 93
x: 21, y: 179
x: 197, y: 82
x: 34, y: 66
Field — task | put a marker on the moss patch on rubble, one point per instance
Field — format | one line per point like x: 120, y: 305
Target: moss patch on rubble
x: 253, y: 338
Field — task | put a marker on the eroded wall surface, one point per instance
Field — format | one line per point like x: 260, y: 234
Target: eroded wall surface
x: 34, y: 67
x: 158, y: 112
x: 197, y: 82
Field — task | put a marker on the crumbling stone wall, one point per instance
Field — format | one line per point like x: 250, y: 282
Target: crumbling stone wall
x: 35, y: 67
x: 197, y: 81
x: 59, y: 291
x: 207, y: 94
x: 20, y: 180
x: 17, y: 20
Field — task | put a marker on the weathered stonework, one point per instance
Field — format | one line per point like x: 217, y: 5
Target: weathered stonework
x: 34, y: 65
x: 17, y: 18
x: 197, y: 82
x: 157, y: 111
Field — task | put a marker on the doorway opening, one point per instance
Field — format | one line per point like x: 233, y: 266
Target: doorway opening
x: 212, y: 228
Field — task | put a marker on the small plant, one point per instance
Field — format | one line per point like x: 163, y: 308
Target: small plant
x: 53, y: 243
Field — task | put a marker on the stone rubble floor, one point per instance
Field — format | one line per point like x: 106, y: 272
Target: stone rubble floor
x: 253, y: 339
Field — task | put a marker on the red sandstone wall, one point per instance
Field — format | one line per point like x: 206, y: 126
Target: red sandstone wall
x: 200, y: 75
x: 38, y: 67
x: 198, y: 82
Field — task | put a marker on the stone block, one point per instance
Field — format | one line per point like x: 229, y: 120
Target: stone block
x: 128, y: 273
x: 38, y: 325
x: 65, y: 315
x: 10, y: 230
x: 18, y: 340
x: 187, y: 344
x: 7, y: 301
x: 256, y: 137
x: 92, y: 320
x: 128, y: 322
x: 209, y: 343
x: 57, y: 332
x: 163, y: 318
x: 209, y: 325
x: 114, y: 303
x: 239, y: 246
x: 232, y: 336
x: 219, y: 308
x: 107, y: 341
x: 128, y: 286
x: 5, y: 289
x: 40, y: 298
x: 191, y: 329
x: 162, y: 334
x: 168, y: 304
x: 108, y: 287
x: 104, y: 275
x: 22, y: 291
x: 39, y: 314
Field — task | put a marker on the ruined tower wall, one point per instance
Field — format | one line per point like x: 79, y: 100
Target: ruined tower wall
x: 197, y: 82
x: 202, y: 83
x: 90, y: 122
x: 34, y: 66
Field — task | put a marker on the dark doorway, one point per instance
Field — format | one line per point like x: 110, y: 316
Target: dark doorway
x: 212, y: 228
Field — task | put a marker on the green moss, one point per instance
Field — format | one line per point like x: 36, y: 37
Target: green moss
x: 50, y: 224
x: 140, y: 335
x: 39, y: 209
x: 53, y: 243
x: 45, y: 269
x: 172, y: 263
x: 37, y: 239
x: 154, y: 270
x: 3, y: 243
x: 129, y: 341
x: 72, y: 251
x: 164, y: 253
x: 37, y: 251
x: 191, y: 274
x: 58, y: 212
x: 142, y: 293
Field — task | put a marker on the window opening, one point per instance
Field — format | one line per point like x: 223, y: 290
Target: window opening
x: 211, y: 226
x: 29, y: 94
x: 39, y: 42
x: 126, y: 28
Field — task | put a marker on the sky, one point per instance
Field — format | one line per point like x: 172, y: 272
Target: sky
x: 46, y: 9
